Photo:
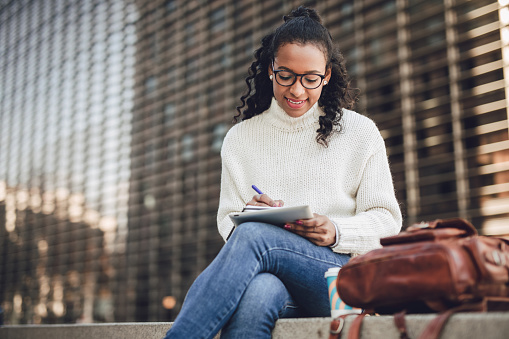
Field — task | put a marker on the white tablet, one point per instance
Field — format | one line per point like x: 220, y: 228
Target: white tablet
x: 278, y: 216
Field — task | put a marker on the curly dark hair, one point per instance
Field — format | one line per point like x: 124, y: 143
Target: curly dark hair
x: 302, y: 26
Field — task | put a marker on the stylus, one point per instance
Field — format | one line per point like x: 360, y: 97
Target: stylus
x: 256, y: 189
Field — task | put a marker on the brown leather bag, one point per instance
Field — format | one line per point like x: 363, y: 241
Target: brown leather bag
x: 437, y: 266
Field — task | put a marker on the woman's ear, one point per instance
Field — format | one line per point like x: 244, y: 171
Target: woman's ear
x: 328, y: 74
x: 271, y: 74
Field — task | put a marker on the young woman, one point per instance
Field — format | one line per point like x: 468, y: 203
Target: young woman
x: 300, y: 144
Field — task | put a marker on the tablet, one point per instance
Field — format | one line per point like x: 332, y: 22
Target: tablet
x: 278, y: 216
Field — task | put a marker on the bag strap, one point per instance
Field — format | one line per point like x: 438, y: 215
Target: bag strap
x: 432, y: 331
x: 355, y: 328
x: 399, y: 320
x: 434, y: 328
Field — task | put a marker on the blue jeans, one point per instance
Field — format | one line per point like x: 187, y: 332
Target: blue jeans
x: 262, y: 273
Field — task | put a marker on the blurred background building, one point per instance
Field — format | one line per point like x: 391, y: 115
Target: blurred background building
x: 112, y: 115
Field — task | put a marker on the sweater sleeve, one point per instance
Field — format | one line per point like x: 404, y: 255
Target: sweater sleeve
x: 377, y: 211
x: 230, y: 200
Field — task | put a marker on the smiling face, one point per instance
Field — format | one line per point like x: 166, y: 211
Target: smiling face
x: 296, y: 100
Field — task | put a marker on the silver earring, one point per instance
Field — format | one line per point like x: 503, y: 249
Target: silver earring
x: 325, y: 82
x: 270, y: 77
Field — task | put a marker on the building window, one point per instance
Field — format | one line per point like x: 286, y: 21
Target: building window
x: 192, y: 72
x: 171, y: 149
x: 218, y: 136
x: 169, y: 114
x: 186, y: 147
x: 226, y: 51
x: 172, y: 76
x: 190, y: 31
x: 154, y: 47
x: 151, y: 85
x: 171, y: 6
x: 218, y: 20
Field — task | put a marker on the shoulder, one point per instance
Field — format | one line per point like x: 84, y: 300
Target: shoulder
x: 241, y: 133
x: 359, y: 130
x: 354, y: 121
x: 244, y: 128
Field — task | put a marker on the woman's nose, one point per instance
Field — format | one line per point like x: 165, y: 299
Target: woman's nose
x: 297, y: 89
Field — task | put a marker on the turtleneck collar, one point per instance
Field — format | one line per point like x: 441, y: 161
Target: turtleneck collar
x: 277, y: 117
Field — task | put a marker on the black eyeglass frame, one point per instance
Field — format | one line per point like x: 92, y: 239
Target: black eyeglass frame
x: 276, y: 71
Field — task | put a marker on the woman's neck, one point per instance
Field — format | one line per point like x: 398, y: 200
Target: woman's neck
x: 279, y: 118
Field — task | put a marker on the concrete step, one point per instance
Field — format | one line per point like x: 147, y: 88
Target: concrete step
x: 493, y: 325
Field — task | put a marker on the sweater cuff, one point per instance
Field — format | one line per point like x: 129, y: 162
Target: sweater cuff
x: 337, y: 235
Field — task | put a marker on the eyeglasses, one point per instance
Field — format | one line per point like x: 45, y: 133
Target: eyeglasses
x: 287, y: 78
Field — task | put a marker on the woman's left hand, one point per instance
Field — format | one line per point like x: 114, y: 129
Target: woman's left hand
x: 319, y: 230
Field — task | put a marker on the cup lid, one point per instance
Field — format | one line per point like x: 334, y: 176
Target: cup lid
x: 333, y: 271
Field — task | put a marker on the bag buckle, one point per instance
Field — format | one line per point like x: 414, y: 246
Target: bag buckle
x: 340, y: 326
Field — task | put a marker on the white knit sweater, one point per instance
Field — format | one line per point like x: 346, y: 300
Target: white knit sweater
x: 349, y: 181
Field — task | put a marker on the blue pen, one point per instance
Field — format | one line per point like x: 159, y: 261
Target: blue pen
x: 256, y: 189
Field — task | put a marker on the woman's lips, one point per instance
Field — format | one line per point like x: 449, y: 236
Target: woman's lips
x: 295, y: 104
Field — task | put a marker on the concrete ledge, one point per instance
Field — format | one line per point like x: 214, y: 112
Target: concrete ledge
x: 460, y: 326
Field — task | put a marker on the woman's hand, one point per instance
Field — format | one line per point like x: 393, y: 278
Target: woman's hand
x: 265, y: 200
x: 319, y: 230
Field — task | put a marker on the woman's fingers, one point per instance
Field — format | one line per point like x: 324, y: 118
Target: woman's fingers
x: 265, y: 200
x: 319, y: 230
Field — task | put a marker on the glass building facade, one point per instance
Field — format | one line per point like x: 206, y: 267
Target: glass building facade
x: 113, y: 112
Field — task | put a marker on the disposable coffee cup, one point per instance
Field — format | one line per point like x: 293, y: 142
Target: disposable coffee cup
x: 337, y: 306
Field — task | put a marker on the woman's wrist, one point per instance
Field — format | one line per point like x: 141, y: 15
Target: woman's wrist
x: 336, y: 243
